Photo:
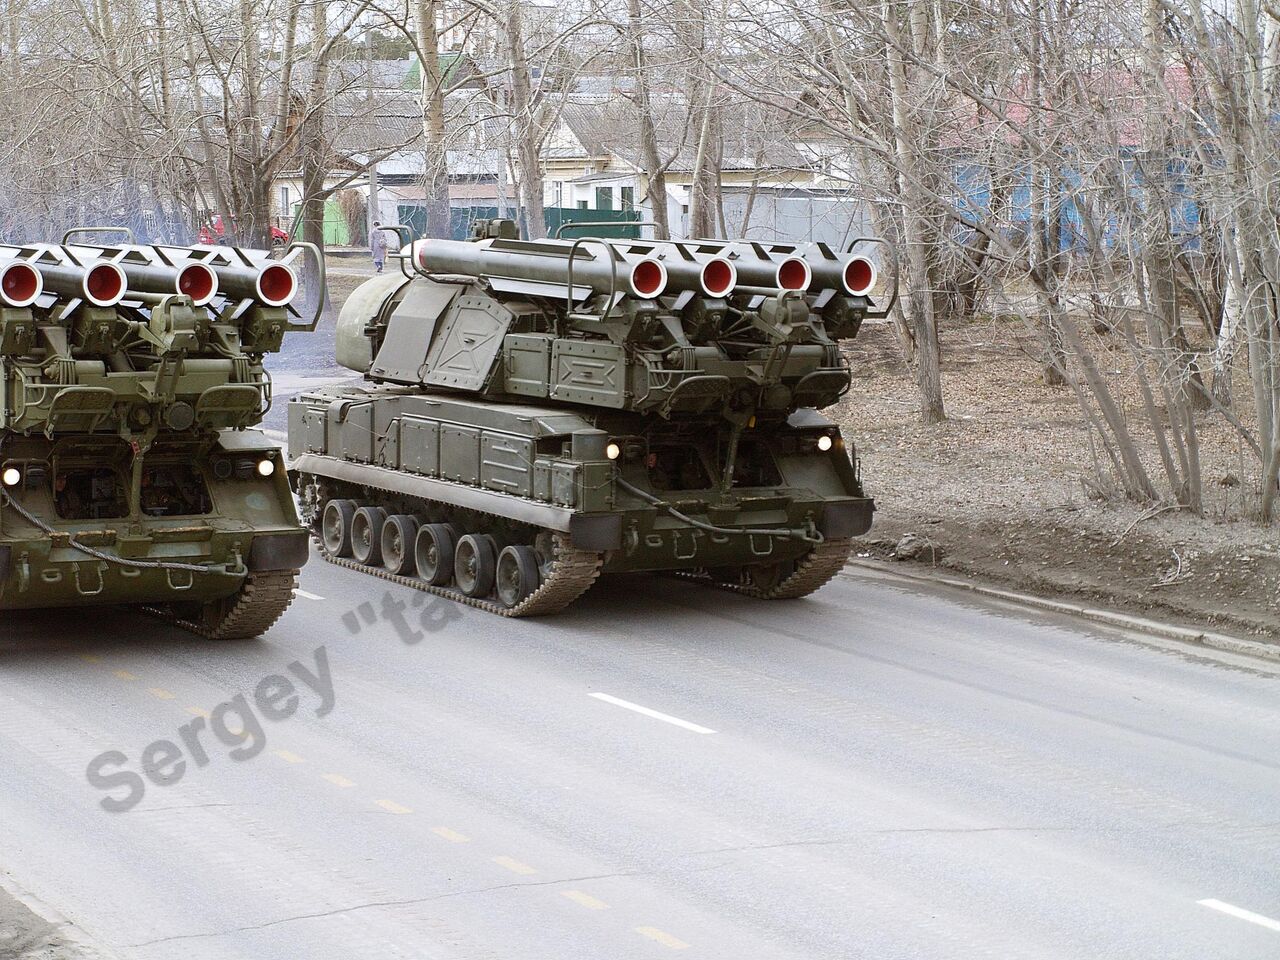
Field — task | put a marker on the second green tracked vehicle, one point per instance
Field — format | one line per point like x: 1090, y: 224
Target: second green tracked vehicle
x: 536, y: 414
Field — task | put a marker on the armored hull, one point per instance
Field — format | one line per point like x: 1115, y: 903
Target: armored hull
x: 510, y: 447
x: 130, y: 471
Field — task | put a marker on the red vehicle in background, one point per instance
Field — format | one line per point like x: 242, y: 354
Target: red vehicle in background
x: 215, y: 233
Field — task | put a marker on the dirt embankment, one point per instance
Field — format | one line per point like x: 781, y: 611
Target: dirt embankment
x: 996, y: 491
x: 24, y: 936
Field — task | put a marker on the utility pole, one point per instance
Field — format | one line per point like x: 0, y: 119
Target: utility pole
x: 374, y: 188
x: 500, y: 93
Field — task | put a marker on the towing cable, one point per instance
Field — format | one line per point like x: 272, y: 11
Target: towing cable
x: 39, y: 524
x: 809, y: 536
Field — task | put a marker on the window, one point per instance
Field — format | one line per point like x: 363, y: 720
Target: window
x: 582, y: 205
x: 628, y: 198
x: 284, y: 201
x: 604, y: 198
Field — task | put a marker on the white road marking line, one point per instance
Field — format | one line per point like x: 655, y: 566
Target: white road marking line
x: 1241, y: 914
x: 514, y: 865
x: 662, y: 937
x: 665, y: 717
x: 298, y: 591
x: 584, y: 899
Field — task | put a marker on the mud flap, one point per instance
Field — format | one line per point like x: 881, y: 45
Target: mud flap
x: 596, y: 533
x: 279, y: 551
x: 848, y: 518
x: 6, y: 564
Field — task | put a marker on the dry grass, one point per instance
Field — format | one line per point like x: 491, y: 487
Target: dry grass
x: 1000, y: 483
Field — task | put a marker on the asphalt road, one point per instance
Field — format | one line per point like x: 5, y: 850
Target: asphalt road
x: 881, y: 771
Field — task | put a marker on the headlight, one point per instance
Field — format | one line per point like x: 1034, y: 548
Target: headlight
x: 824, y: 443
x: 12, y: 476
x: 612, y: 451
x: 266, y: 468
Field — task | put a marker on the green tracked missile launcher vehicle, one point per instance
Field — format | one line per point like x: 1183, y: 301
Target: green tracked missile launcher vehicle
x: 537, y: 413
x: 129, y: 470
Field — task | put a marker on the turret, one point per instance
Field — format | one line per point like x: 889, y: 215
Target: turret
x: 132, y: 339
x: 648, y: 326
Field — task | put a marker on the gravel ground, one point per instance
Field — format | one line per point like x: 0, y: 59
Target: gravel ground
x: 24, y: 936
x: 996, y: 490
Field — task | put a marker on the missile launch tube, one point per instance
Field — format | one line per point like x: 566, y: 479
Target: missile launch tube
x: 272, y: 283
x: 541, y: 262
x: 753, y: 267
x: 710, y: 275
x: 198, y: 281
x: 154, y: 274
x: 20, y: 284
x: 99, y: 282
x: 855, y: 275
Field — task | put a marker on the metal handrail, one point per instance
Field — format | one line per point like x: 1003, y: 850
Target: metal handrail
x: 404, y: 233
x: 602, y: 223
x: 897, y: 273
x: 613, y: 271
x: 405, y: 236
x: 318, y: 257
x: 128, y: 232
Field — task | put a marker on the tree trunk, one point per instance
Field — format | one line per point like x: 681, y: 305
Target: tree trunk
x: 1044, y: 240
x: 435, y: 173
x: 315, y: 166
x: 528, y: 132
x: 918, y: 302
x: 654, y: 170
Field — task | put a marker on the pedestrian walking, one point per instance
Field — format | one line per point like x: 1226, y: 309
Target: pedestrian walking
x: 378, y: 245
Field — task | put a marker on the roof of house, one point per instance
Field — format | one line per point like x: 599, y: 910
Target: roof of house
x: 752, y: 137
x: 394, y: 122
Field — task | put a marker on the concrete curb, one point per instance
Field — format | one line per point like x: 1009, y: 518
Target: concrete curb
x: 1123, y: 621
x: 83, y: 947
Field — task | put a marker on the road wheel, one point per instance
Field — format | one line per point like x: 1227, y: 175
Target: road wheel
x: 725, y: 574
x: 475, y: 564
x: 398, y: 536
x: 335, y: 527
x: 434, y: 551
x: 766, y: 576
x: 517, y: 575
x: 366, y: 535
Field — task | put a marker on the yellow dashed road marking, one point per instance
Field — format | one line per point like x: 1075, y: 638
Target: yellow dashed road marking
x: 515, y: 866
x: 288, y: 757
x: 160, y: 693
x: 338, y: 780
x: 392, y: 807
x: 197, y: 712
x: 90, y: 658
x: 662, y: 937
x: 451, y: 835
x: 584, y: 899
x: 124, y: 675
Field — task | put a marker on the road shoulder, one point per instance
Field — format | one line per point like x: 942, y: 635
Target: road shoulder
x: 29, y: 931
